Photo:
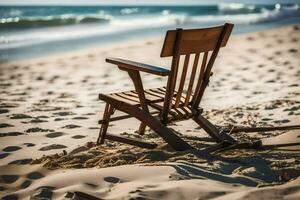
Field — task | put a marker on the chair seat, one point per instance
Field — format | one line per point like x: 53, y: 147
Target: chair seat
x: 154, y: 97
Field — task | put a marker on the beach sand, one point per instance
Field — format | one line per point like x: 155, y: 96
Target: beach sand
x: 49, y: 112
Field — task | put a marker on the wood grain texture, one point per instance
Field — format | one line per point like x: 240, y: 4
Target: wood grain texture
x: 131, y: 65
x: 195, y: 40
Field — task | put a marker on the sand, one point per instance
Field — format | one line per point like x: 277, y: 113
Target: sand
x: 49, y: 112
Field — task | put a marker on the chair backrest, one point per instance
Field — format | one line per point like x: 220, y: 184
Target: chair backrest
x: 190, y: 44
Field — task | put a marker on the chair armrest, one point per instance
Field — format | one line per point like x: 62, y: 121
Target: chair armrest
x: 131, y: 65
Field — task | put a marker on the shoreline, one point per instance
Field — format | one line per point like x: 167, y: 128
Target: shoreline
x: 122, y: 43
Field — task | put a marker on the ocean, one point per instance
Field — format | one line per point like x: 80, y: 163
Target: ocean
x: 31, y: 31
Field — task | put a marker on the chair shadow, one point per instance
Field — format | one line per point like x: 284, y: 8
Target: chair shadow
x: 251, y: 171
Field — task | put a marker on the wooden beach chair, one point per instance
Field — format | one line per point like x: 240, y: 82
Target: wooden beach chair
x: 157, y: 107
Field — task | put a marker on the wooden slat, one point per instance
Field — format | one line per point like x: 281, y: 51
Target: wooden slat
x: 136, y: 66
x: 210, y: 64
x: 195, y: 40
x: 182, y: 79
x: 159, y: 91
x: 162, y: 91
x: 201, y: 74
x: 128, y: 98
x: 160, y: 108
x: 149, y: 96
x: 131, y: 141
x: 182, y: 98
x: 173, y: 84
x: 130, y: 95
x: 172, y: 78
x: 192, y: 78
x: 121, y: 98
x: 125, y: 117
x: 152, y: 96
x: 187, y: 112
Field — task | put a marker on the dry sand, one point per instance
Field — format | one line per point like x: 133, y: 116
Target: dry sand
x: 49, y: 112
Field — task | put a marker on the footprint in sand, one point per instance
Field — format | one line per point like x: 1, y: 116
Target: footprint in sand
x: 112, y: 179
x: 43, y: 193
x: 90, y: 113
x: 35, y: 175
x: 293, y: 85
x: 281, y: 121
x: 64, y: 113
x: 3, y: 155
x: 26, y: 184
x: 55, y: 134
x: 52, y: 146
x: 37, y: 129
x: 11, y: 148
x: 71, y: 126
x: 10, y: 134
x: 3, y: 111
x: 39, y: 78
x: 8, y: 179
x: 4, y: 125
x: 78, y: 136
x: 293, y: 50
x: 99, y: 127
x: 80, y: 118
x: 37, y: 120
x: 10, y: 197
x: 29, y: 144
x: 24, y: 161
x: 59, y: 119
x: 20, y: 116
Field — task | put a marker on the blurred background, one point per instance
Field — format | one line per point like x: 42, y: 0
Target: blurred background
x: 34, y: 28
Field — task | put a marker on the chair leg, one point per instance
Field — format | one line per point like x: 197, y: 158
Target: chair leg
x: 142, y: 128
x: 108, y: 111
x: 216, y: 134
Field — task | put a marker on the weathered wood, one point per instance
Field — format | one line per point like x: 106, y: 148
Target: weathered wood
x: 192, y: 78
x: 212, y: 130
x: 106, y: 116
x: 243, y: 145
x: 195, y: 41
x: 211, y: 61
x: 130, y: 99
x: 171, y: 138
x: 131, y: 141
x: 137, y: 81
x: 215, y: 147
x: 131, y: 65
x: 200, y: 79
x: 117, y: 118
x: 172, y: 78
x: 182, y: 80
x: 176, y: 104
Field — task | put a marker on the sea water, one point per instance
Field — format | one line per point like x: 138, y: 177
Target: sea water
x: 31, y: 31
